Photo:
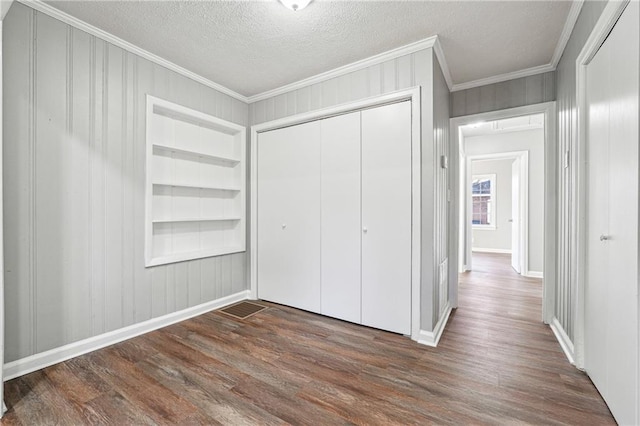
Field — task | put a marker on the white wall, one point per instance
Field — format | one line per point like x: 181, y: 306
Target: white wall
x: 500, y: 237
x: 532, y: 141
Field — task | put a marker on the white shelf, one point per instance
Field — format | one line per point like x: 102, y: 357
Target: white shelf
x: 196, y: 154
x: 193, y: 186
x: 197, y: 219
x: 196, y: 176
x: 181, y: 257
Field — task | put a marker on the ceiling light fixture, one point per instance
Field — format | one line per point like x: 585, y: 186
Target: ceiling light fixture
x: 295, y: 5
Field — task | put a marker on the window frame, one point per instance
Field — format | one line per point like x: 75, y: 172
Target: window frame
x: 491, y: 177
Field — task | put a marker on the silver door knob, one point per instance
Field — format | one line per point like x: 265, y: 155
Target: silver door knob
x: 364, y: 230
x: 510, y: 221
x: 284, y: 225
x: 604, y: 237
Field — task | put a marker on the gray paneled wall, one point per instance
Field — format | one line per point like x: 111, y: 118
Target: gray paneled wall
x: 443, y: 209
x: 522, y: 91
x: 404, y: 72
x: 74, y: 170
x: 566, y: 105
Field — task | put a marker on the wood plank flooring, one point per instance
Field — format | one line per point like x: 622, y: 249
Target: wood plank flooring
x: 496, y: 364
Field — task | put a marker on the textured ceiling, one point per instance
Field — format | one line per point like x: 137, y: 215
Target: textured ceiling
x: 254, y: 46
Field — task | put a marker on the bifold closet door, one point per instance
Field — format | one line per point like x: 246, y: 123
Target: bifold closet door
x: 289, y: 216
x: 611, y: 290
x: 340, y: 147
x: 386, y: 217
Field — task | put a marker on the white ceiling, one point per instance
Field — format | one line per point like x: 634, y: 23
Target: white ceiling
x: 254, y: 46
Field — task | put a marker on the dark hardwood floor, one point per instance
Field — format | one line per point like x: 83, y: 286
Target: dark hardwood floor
x: 496, y: 364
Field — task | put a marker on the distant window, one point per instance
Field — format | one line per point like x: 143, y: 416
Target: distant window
x: 483, y: 197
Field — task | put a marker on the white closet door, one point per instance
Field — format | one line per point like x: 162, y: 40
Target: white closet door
x: 341, y: 217
x: 289, y: 216
x: 611, y: 328
x: 386, y: 217
x: 596, y: 304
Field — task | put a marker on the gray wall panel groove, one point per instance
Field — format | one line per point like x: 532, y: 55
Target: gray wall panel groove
x: 74, y: 170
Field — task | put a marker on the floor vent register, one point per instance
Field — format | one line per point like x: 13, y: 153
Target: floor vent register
x: 243, y: 310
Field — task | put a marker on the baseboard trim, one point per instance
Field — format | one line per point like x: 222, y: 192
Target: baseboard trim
x: 39, y: 361
x: 431, y: 338
x: 534, y: 274
x: 565, y: 343
x: 491, y: 250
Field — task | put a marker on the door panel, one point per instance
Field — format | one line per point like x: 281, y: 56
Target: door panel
x: 597, y: 218
x: 516, y: 264
x: 611, y: 323
x: 622, y: 282
x: 289, y: 216
x: 386, y: 217
x: 340, y: 148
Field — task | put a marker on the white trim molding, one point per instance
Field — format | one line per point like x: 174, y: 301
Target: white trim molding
x: 533, y: 274
x: 612, y: 11
x: 47, y: 9
x: 2, y: 405
x: 45, y: 359
x: 572, y: 18
x: 427, y: 43
x: 413, y: 95
x: 431, y: 338
x: 437, y: 48
x: 563, y: 339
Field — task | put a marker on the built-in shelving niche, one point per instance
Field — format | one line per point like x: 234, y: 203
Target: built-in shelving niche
x: 195, y: 188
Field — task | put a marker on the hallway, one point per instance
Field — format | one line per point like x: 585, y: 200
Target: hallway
x: 499, y: 322
x: 496, y: 364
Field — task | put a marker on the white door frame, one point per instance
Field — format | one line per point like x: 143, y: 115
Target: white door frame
x: 412, y: 95
x: 603, y: 27
x: 523, y: 242
x: 548, y: 109
x: 2, y: 406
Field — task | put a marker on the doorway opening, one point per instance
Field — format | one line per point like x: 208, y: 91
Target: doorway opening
x: 504, y: 199
x: 496, y: 199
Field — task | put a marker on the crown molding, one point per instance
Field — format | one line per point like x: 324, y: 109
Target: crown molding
x: 430, y: 42
x: 437, y: 48
x: 503, y: 77
x: 572, y: 18
x: 47, y: 9
x: 352, y: 67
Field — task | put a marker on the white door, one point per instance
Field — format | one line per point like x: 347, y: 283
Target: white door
x: 611, y: 293
x: 289, y: 216
x: 386, y: 217
x: 516, y: 255
x: 340, y: 218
